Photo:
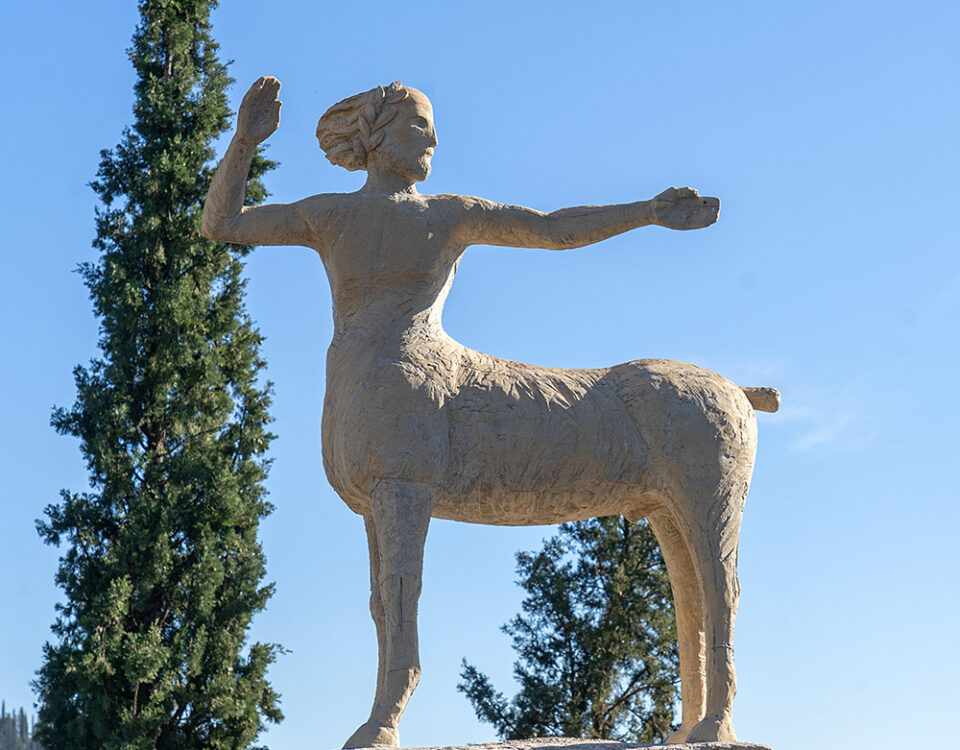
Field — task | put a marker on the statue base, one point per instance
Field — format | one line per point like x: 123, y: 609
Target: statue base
x: 570, y: 743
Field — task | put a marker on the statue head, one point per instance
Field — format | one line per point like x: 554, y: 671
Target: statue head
x: 387, y: 127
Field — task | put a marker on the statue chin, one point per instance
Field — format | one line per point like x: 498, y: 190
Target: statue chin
x: 420, y: 172
x: 415, y: 169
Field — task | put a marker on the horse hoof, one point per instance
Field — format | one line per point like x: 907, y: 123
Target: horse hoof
x: 713, y: 729
x: 683, y: 731
x: 373, y: 734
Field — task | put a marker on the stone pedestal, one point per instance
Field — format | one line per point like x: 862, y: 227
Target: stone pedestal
x: 568, y: 743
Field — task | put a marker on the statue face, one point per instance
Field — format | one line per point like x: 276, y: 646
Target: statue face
x: 409, y: 139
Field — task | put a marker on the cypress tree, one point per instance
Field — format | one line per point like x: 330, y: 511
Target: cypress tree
x: 8, y: 733
x: 162, y: 571
x: 597, y: 640
x: 15, y: 731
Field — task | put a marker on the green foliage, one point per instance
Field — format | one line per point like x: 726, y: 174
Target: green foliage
x: 162, y: 569
x: 596, y: 640
x: 15, y: 733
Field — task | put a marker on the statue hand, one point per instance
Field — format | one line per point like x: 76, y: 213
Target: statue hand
x: 684, y: 208
x: 259, y: 113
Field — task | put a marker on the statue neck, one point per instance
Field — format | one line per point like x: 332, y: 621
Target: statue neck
x: 388, y: 183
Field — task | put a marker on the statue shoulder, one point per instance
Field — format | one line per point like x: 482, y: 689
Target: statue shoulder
x: 462, y: 207
x: 461, y: 201
x: 320, y: 210
x: 324, y: 203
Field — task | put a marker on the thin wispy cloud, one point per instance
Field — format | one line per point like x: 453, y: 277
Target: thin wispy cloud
x: 835, y: 429
x: 833, y: 422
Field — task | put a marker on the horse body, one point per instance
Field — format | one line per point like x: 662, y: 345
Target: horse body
x: 503, y: 442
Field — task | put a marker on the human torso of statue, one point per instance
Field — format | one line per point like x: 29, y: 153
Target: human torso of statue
x: 390, y: 262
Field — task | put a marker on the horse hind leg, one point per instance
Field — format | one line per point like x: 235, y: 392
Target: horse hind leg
x: 685, y: 583
x: 713, y: 545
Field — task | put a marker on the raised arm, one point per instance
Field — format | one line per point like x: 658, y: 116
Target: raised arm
x: 488, y: 223
x: 225, y: 218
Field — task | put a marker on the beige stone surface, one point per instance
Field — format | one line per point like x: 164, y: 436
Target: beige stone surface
x: 568, y: 743
x: 418, y: 426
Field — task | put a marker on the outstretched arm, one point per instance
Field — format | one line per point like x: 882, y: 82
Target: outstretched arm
x: 488, y: 223
x: 225, y: 218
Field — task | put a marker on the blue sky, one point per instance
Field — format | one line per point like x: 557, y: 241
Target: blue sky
x: 828, y: 130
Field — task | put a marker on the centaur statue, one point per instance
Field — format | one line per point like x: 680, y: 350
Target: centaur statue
x: 417, y: 426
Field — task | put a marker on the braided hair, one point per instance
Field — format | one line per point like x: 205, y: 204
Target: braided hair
x: 352, y: 128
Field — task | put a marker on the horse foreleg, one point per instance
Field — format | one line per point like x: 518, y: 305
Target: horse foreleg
x: 689, y: 609
x: 400, y: 516
x: 376, y: 604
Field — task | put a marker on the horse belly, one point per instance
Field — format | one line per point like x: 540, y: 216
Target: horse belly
x: 533, y: 445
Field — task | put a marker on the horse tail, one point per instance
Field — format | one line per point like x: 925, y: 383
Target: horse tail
x: 763, y: 399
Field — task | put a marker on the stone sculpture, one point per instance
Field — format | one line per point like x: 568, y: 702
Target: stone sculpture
x: 415, y: 425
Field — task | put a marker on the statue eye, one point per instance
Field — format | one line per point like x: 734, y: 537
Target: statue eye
x: 419, y: 122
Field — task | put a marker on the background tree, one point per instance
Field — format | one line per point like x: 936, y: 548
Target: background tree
x: 162, y: 570
x: 596, y: 640
x: 15, y: 732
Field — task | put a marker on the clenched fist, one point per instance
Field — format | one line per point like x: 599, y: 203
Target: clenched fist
x: 684, y: 208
